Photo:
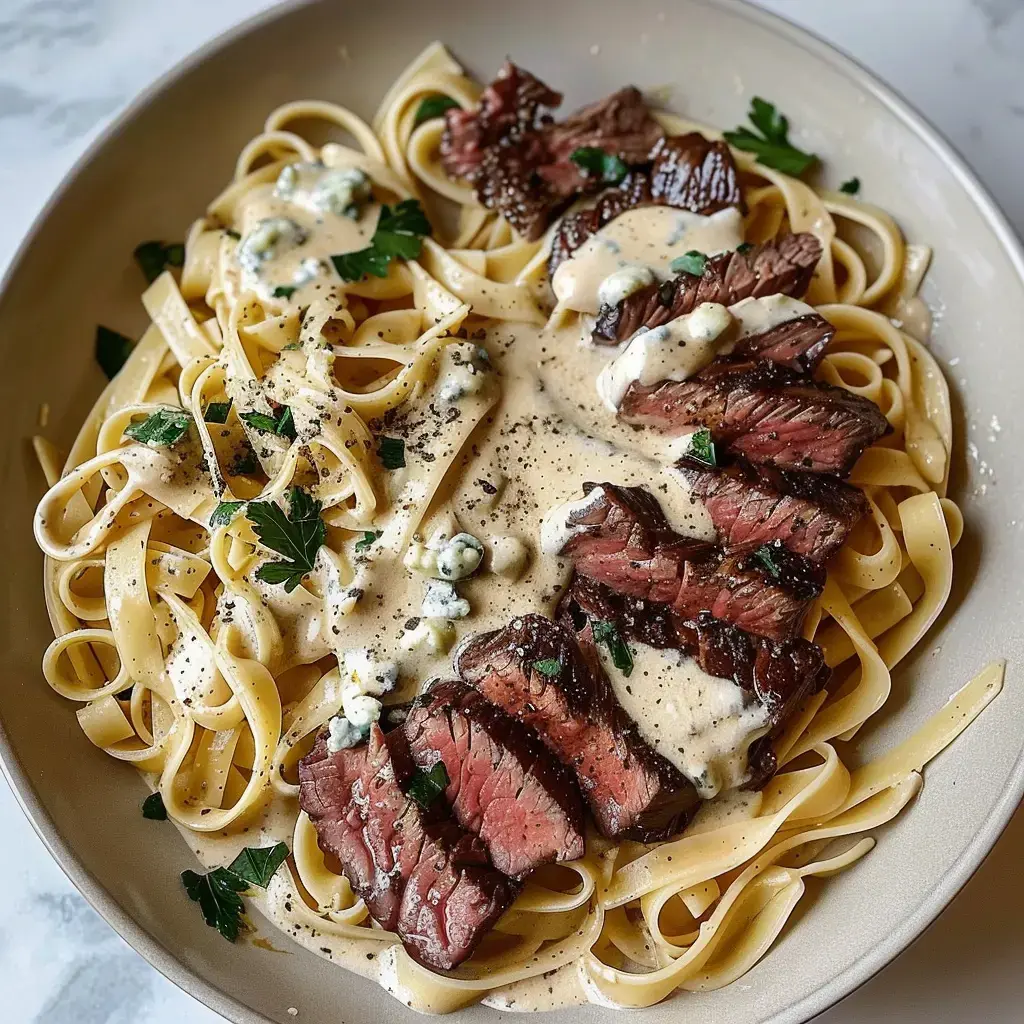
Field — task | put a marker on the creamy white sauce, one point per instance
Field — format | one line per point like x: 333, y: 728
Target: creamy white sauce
x: 755, y: 316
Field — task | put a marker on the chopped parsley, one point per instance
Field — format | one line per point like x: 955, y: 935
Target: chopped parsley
x: 257, y: 865
x: 112, y: 350
x: 161, y: 429
x: 431, y: 107
x: 297, y: 536
x: 426, y: 787
x: 217, y: 412
x: 702, y: 448
x: 369, y: 538
x: 232, y: 233
x: 285, y: 291
x: 692, y: 262
x: 225, y: 512
x: 153, y: 808
x: 851, y: 187
x: 549, y: 667
x: 399, y: 235
x: 772, y: 146
x: 391, y: 451
x: 744, y: 247
x: 607, y: 633
x: 154, y: 258
x: 282, y: 424
x: 244, y: 462
x: 764, y: 557
x: 594, y: 162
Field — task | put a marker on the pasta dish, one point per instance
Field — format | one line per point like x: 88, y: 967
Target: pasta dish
x: 492, y: 548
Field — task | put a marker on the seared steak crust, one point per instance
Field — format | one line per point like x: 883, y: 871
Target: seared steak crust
x: 750, y: 506
x: 504, y: 784
x: 419, y: 873
x: 633, y: 792
x: 784, y: 266
x: 765, y: 413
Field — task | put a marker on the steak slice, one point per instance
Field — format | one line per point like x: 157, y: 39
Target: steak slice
x: 418, y: 872
x: 784, y: 266
x: 632, y: 792
x: 780, y: 674
x: 504, y: 784
x: 622, y: 539
x: 765, y: 413
x: 750, y: 506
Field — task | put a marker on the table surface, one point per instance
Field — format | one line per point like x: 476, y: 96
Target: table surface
x: 67, y: 66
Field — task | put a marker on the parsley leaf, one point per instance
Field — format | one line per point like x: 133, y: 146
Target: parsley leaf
x: 256, y: 865
x: 154, y: 258
x: 217, y: 412
x: 607, y: 633
x: 744, y: 247
x: 282, y: 424
x: 851, y: 187
x: 399, y: 235
x: 112, y: 350
x: 692, y: 262
x: 772, y: 147
x: 764, y: 556
x: 216, y: 892
x: 369, y: 538
x: 163, y: 428
x: 426, y: 787
x: 549, y: 667
x: 431, y: 107
x: 608, y: 168
x: 284, y: 291
x: 391, y: 451
x: 153, y: 808
x: 702, y: 448
x: 225, y: 512
x: 297, y: 536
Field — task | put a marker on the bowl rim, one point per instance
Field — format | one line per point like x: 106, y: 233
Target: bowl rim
x: 948, y: 886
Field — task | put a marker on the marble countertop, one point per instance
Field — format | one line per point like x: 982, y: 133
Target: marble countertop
x: 66, y: 66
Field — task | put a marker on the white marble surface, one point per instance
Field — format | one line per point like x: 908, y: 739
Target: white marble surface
x: 66, y: 66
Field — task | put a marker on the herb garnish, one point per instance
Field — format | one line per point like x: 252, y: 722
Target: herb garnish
x: 764, y: 556
x: 772, y: 147
x: 153, y: 808
x: 549, y: 667
x: 426, y: 787
x: 399, y: 235
x: 431, y: 107
x: 217, y: 412
x: 298, y: 536
x: 161, y: 429
x: 391, y: 451
x: 218, y: 891
x: 112, y: 350
x: 244, y: 462
x: 369, y: 538
x: 154, y: 258
x: 744, y: 247
x: 692, y: 262
x: 232, y: 233
x: 608, y: 168
x: 225, y: 512
x: 284, y: 291
x: 851, y: 187
x: 607, y: 633
x: 282, y: 424
x: 702, y: 447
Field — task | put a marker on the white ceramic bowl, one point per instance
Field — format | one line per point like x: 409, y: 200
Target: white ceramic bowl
x: 155, y: 170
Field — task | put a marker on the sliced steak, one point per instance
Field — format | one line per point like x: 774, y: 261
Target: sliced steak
x: 504, y: 784
x: 765, y: 413
x: 811, y: 514
x: 780, y: 675
x: 622, y: 539
x: 784, y: 266
x: 632, y: 792
x: 419, y: 873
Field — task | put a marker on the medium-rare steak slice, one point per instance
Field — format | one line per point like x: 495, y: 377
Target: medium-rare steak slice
x: 780, y: 674
x: 784, y: 266
x: 419, y: 873
x: 620, y: 537
x: 534, y: 670
x: 504, y: 784
x: 765, y: 413
x: 811, y: 514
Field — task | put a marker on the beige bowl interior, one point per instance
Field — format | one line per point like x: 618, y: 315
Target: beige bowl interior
x: 174, y: 151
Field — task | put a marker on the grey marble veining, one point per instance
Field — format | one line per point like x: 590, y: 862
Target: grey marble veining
x: 67, y: 65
